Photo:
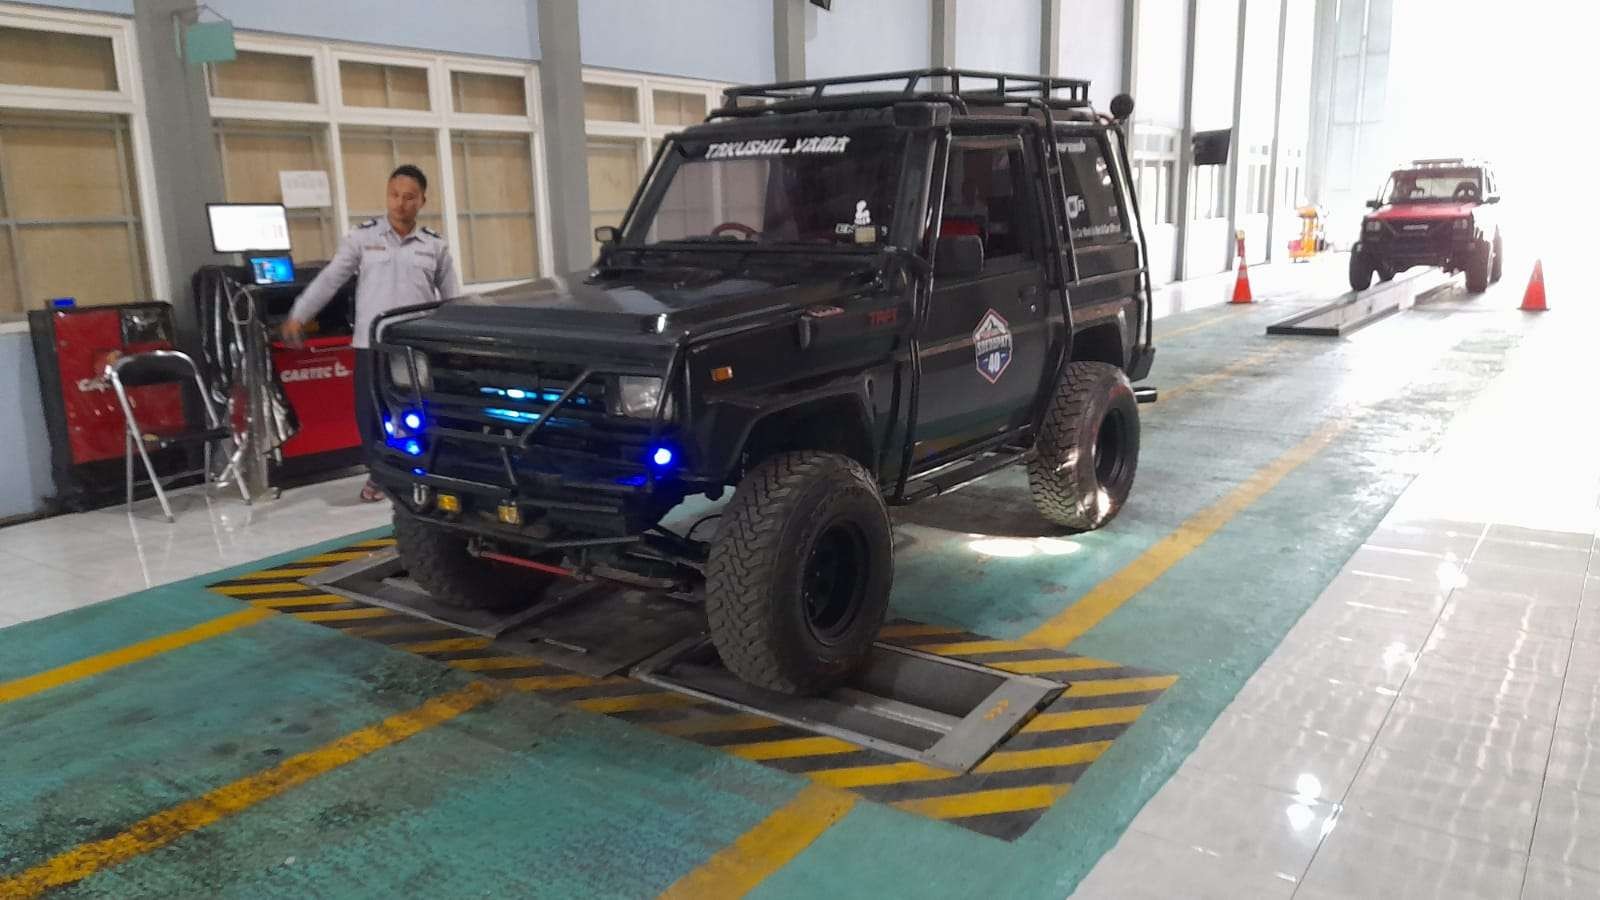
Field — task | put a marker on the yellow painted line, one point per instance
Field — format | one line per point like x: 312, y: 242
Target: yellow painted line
x: 739, y: 868
x: 986, y: 803
x: 29, y: 685
x: 793, y: 748
x: 974, y: 648
x: 1109, y: 595
x: 297, y: 602
x: 340, y: 556
x: 1082, y: 718
x: 883, y: 773
x: 379, y: 543
x: 265, y: 574
x: 714, y: 725
x: 496, y: 663
x: 1228, y: 316
x: 1223, y: 374
x: 251, y: 590
x: 560, y: 682
x: 1016, y: 760
x: 916, y: 630
x: 343, y: 615
x: 447, y: 645
x: 631, y: 702
x: 1113, y: 686
x: 169, y: 825
x: 1061, y: 664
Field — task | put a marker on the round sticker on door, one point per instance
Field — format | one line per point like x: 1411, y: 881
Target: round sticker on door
x: 991, y: 343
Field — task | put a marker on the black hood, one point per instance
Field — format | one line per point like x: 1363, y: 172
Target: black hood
x: 663, y: 302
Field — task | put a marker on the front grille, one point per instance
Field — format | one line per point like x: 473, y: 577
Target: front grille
x: 1419, y: 237
x: 480, y: 407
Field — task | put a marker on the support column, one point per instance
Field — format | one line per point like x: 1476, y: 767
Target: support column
x: 1237, y: 156
x: 183, y: 155
x: 1049, y: 37
x: 1186, y: 146
x: 943, y: 33
x: 789, y: 40
x: 1277, y: 133
x: 566, y: 159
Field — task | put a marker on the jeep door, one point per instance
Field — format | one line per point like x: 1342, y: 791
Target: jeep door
x: 985, y: 337
x: 1107, y: 302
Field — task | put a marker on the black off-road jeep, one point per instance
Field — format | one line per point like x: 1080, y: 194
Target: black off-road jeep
x: 1434, y: 212
x: 831, y: 302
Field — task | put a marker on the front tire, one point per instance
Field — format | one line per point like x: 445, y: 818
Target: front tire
x: 1479, y: 269
x: 436, y: 558
x: 1361, y: 270
x: 1087, y: 454
x: 797, y: 583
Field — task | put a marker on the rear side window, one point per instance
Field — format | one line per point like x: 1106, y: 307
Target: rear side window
x: 1094, y: 211
x: 988, y: 194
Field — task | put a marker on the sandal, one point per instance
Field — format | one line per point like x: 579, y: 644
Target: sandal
x: 370, y: 492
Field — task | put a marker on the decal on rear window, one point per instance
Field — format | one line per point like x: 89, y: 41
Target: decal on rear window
x: 823, y: 144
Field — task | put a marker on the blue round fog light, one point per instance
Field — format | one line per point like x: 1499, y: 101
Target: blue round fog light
x: 662, y: 456
x: 413, y: 448
x: 413, y: 420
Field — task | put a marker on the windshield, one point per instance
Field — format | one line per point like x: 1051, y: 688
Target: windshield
x: 1434, y: 185
x: 820, y: 188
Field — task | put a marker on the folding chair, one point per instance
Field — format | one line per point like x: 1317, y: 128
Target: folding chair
x: 169, y: 367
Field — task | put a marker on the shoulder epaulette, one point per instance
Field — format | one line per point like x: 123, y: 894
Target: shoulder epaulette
x: 429, y: 231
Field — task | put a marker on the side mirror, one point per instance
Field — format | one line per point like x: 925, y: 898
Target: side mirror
x: 1211, y: 147
x: 958, y: 256
x: 1492, y: 198
x: 606, y: 234
x: 1374, y: 204
x: 1121, y: 107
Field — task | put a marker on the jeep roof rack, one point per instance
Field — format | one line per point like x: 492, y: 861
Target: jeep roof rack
x: 937, y: 84
x: 1443, y: 162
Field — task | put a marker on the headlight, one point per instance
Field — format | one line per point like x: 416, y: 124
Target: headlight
x: 635, y: 396
x: 400, y: 373
x: 1463, y: 224
x: 1374, y: 226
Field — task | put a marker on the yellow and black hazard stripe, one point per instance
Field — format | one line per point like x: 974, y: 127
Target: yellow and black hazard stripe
x: 1003, y: 796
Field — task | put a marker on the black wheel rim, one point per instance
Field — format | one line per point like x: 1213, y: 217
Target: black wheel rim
x: 1110, y: 457
x: 834, y: 581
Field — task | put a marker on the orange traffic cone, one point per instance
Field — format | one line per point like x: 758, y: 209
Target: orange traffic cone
x: 1533, y: 298
x: 1241, y: 285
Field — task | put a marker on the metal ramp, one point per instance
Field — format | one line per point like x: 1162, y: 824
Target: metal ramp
x: 1354, y: 311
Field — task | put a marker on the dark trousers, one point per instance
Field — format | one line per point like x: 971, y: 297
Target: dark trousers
x: 367, y: 423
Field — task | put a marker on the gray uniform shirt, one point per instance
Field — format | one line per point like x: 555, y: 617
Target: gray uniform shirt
x: 394, y: 271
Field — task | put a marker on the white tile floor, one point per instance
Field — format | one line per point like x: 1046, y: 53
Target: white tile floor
x: 1431, y: 726
x: 57, y: 564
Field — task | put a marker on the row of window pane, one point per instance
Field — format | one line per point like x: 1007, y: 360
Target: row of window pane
x: 286, y: 78
x: 69, y: 223
x: 494, y: 190
x: 52, y: 59
x: 620, y: 103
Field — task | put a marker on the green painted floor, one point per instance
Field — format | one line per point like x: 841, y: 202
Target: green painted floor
x: 521, y: 798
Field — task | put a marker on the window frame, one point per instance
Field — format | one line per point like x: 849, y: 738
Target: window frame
x: 441, y: 120
x: 127, y: 101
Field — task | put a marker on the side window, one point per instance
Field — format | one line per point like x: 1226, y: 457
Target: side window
x: 1094, y: 211
x: 988, y: 194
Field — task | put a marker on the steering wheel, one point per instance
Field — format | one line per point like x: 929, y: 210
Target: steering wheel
x: 745, y: 231
x: 1465, y: 191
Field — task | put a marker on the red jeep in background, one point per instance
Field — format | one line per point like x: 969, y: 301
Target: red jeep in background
x: 1434, y: 212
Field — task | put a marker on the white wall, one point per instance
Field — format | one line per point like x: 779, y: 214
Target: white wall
x: 997, y: 35
x: 504, y: 28
x: 24, y: 444
x: 1091, y: 46
x: 876, y: 36
x: 720, y: 40
x: 1159, y: 83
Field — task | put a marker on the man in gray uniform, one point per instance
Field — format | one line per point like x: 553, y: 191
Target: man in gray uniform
x: 398, y: 265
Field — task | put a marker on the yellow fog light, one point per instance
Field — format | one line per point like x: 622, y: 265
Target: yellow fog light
x: 510, y: 514
x: 449, y: 503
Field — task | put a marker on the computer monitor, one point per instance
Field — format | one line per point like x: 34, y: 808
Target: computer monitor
x: 272, y: 269
x: 242, y: 227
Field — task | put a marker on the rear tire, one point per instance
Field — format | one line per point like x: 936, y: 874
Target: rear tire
x: 1084, y: 462
x: 1361, y: 270
x: 797, y: 583
x: 1385, y: 275
x: 1479, y: 269
x: 1497, y: 269
x: 437, y: 559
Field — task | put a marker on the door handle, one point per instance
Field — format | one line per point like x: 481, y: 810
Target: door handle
x: 1030, y: 296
